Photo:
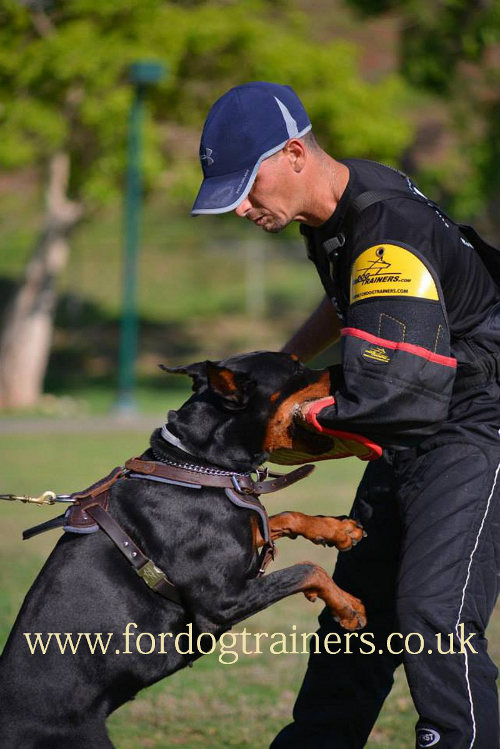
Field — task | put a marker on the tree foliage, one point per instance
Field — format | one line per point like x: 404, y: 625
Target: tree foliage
x: 64, y: 86
x: 452, y: 49
x: 65, y: 98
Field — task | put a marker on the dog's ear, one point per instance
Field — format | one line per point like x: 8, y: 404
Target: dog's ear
x: 197, y: 372
x: 233, y: 387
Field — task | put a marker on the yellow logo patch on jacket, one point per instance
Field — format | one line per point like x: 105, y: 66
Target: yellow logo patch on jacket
x: 377, y: 353
x: 390, y: 270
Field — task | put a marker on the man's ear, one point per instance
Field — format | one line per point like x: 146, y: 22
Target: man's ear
x: 295, y: 152
x: 233, y: 387
x: 197, y: 372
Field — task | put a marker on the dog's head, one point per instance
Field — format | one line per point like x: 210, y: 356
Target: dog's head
x: 242, y: 409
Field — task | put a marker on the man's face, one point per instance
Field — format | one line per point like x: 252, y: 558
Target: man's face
x: 270, y: 203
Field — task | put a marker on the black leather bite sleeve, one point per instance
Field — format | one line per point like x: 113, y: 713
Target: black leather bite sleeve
x: 397, y: 370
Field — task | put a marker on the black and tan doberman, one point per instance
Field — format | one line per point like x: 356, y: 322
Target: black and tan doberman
x: 207, y: 546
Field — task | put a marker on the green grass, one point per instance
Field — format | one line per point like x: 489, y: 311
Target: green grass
x: 212, y: 705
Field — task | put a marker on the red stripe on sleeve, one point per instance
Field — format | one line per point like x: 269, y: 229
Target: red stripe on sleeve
x: 411, y: 348
x: 374, y: 451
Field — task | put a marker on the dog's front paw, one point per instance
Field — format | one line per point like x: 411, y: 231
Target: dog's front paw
x: 352, y: 616
x: 341, y: 532
x: 346, y: 609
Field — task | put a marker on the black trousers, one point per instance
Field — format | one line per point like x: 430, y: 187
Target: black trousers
x: 429, y: 566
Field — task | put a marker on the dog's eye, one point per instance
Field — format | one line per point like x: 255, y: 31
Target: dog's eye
x: 298, y: 369
x: 234, y: 406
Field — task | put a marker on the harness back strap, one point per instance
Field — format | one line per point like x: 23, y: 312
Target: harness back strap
x: 242, y: 483
x: 100, y: 486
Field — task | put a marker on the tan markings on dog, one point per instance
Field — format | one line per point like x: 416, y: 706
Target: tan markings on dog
x: 346, y: 609
x: 278, y: 428
x: 344, y: 533
x: 257, y: 538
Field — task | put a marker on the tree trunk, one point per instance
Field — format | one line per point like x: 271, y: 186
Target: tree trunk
x: 27, y: 333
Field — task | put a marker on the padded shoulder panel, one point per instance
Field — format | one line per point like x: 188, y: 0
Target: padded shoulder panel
x: 390, y: 270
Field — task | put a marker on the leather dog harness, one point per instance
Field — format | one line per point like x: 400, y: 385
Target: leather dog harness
x: 90, y: 509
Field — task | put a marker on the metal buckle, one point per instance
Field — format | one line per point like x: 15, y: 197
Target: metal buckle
x: 241, y: 489
x: 151, y: 574
x: 268, y: 554
x: 47, y: 498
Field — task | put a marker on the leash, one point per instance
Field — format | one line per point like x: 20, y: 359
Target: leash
x: 89, y: 509
x: 47, y: 498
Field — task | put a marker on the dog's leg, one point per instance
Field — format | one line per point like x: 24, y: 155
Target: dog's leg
x: 307, y: 578
x: 342, y: 532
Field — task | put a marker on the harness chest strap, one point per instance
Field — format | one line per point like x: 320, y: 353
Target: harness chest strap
x: 250, y: 502
x: 91, y: 506
x: 145, y: 568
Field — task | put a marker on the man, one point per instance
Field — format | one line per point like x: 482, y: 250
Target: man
x: 418, y: 309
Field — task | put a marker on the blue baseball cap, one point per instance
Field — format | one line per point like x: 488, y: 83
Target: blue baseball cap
x: 245, y: 126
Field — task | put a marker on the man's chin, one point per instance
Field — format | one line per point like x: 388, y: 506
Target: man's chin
x: 274, y: 228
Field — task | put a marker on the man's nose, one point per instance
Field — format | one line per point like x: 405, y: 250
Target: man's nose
x: 243, y: 208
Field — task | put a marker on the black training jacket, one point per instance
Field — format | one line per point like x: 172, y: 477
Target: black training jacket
x: 414, y: 297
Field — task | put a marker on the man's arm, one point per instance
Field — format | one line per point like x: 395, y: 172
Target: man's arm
x: 320, y: 330
x: 398, y: 371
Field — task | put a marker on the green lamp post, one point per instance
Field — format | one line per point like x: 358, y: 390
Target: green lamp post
x: 142, y: 74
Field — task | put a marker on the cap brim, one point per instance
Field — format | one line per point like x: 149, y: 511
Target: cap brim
x: 225, y: 193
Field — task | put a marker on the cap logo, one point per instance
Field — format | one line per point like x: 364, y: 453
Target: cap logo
x: 207, y: 156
